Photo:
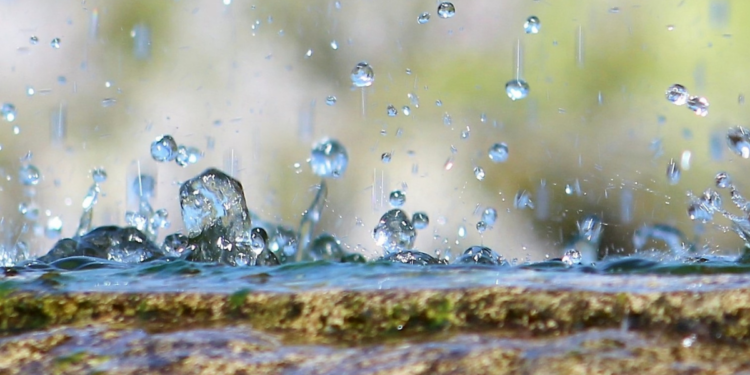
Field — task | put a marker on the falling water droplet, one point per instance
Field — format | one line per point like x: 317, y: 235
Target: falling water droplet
x: 34, y: 40
x: 54, y: 227
x: 188, y: 155
x: 99, y: 175
x: 420, y: 220
x: 8, y: 111
x: 489, y: 216
x: 738, y: 139
x: 397, y: 198
x: 517, y: 89
x: 362, y: 75
x: 479, y: 173
x: 532, y: 25
x: 391, y: 110
x: 447, y: 121
x: 29, y: 175
x: 677, y: 94
x: 481, y: 226
x: 498, y: 152
x: 329, y: 158
x: 406, y: 110
x: 723, y: 180
x: 55, y: 43
x: 334, y: 45
x: 673, y: 172
x: 698, y: 104
x: 523, y: 200
x: 330, y: 100
x: 385, y: 157
x: 423, y: 18
x: 446, y: 10
x: 164, y: 148
x: 394, y: 232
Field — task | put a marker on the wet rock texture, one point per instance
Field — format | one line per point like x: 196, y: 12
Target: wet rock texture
x: 490, y: 330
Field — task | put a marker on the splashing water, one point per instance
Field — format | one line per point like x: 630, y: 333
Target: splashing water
x: 394, y: 232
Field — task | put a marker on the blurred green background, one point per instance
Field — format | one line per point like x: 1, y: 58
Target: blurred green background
x: 233, y: 79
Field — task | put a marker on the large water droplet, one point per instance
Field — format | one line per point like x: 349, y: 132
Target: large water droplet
x: 498, y: 152
x: 532, y: 25
x: 420, y: 220
x: 446, y: 10
x: 362, y: 75
x: 329, y: 158
x: 397, y: 198
x: 423, y: 18
x: 738, y: 139
x: 517, y: 89
x: 212, y: 198
x: 326, y: 247
x: 29, y: 175
x: 677, y: 94
x: 698, y: 104
x: 164, y: 148
x: 394, y: 232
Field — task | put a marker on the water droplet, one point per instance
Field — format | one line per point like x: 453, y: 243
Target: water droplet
x: 738, y: 139
x: 439, y: 103
x: 465, y: 133
x: 517, y: 89
x: 446, y: 10
x: 397, y: 198
x: 423, y: 18
x: 673, y: 172
x: 54, y: 227
x: 309, y: 53
x: 29, y: 175
x: 532, y: 25
x: 448, y: 164
x: 699, y: 105
x: 480, y: 255
x: 723, y: 180
x: 30, y: 91
x: 677, y: 94
x: 498, y: 152
x: 91, y: 197
x: 461, y: 231
x: 55, y: 43
x: 108, y: 102
x: 447, y: 121
x: 489, y: 216
x: 330, y: 100
x: 188, y: 155
x: 29, y: 210
x: 175, y: 244
x: 8, y: 111
x: 258, y: 240
x: 391, y: 110
x: 479, y: 173
x: 523, y: 200
x: 334, y: 45
x: 406, y: 110
x: 420, y: 220
x: 329, y: 158
x: 33, y: 40
x: 164, y: 148
x: 572, y: 257
x: 670, y: 27
x: 590, y: 228
x: 481, y: 226
x: 394, y: 232
x: 326, y: 247
x: 385, y: 157
x: 413, y: 99
x: 362, y: 75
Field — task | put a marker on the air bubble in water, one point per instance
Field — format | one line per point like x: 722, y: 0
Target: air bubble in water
x: 738, y: 139
x: 479, y: 173
x: 385, y: 157
x: 55, y: 43
x: 673, y: 172
x: 397, y: 198
x: 517, y: 89
x: 8, y: 111
x: 423, y: 18
x: 187, y: 155
x: 420, y: 220
x: 362, y: 75
x: 723, y: 180
x: 330, y: 100
x: 329, y: 158
x: 99, y: 175
x: 34, y: 40
x: 699, y: 105
x: 164, y: 148
x: 406, y: 110
x: 489, y: 216
x: 498, y: 152
x: 394, y: 232
x: 391, y: 110
x: 677, y: 94
x: 446, y: 10
x: 532, y: 25
x: 29, y: 175
x: 523, y: 200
